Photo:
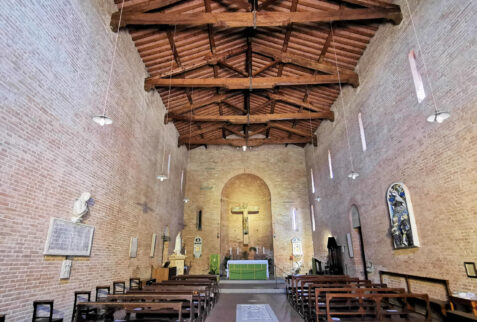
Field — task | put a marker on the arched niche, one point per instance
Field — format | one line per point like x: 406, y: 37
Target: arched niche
x: 246, y: 191
x: 401, y: 215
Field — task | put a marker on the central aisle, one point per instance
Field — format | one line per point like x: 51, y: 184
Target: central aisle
x: 252, y: 292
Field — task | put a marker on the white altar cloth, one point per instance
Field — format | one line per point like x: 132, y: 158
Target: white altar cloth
x: 247, y: 261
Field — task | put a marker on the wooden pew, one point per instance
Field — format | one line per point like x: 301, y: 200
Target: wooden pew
x: 191, y: 304
x: 146, y: 309
x: 373, y: 306
x: 298, y: 289
x: 308, y: 305
x: 203, y: 292
x: 320, y: 296
x: 214, y: 287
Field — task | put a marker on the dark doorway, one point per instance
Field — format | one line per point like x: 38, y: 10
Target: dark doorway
x: 356, y: 222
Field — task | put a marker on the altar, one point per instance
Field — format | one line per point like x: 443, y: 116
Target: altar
x: 247, y: 269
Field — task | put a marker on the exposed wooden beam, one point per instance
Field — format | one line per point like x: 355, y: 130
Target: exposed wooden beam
x: 299, y: 103
x: 259, y: 131
x: 236, y: 108
x: 145, y: 5
x: 210, y: 59
x: 246, y: 119
x: 262, y: 18
x: 212, y: 127
x: 265, y: 4
x: 234, y: 131
x: 292, y: 130
x: 214, y: 99
x: 247, y: 142
x: 264, y: 68
x: 226, y: 65
x: 170, y: 37
x: 372, y: 3
x: 244, y: 83
x: 305, y: 62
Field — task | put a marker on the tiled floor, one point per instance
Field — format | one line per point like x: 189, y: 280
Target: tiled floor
x: 225, y: 309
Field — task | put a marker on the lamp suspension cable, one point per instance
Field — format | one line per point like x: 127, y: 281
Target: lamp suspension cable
x: 103, y: 119
x: 162, y: 176
x: 438, y: 116
x: 353, y: 175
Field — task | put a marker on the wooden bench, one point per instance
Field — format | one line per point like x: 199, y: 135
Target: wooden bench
x: 298, y: 282
x: 202, y: 291
x: 191, y: 303
x: 374, y: 306
x: 144, y: 309
x: 320, y: 295
x: 213, y: 286
x: 308, y: 304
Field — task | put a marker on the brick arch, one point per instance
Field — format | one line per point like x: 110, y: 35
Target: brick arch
x: 253, y: 190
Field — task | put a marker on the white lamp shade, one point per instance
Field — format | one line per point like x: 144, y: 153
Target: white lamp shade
x: 102, y: 120
x: 353, y: 175
x: 438, y: 117
x: 162, y: 177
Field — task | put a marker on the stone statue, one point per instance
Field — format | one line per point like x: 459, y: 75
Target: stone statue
x: 80, y: 207
x: 178, y: 245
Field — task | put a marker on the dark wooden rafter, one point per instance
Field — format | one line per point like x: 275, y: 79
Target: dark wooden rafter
x: 245, y: 83
x: 249, y: 119
x: 250, y: 142
x: 266, y: 3
x: 213, y: 59
x: 284, y: 57
x: 218, y: 98
x: 258, y: 19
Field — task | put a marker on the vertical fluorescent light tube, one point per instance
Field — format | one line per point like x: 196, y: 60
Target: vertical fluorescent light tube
x: 329, y: 164
x: 169, y: 165
x: 182, y: 180
x: 312, y: 181
x: 294, y: 218
x: 361, y: 132
x: 312, y: 211
x: 416, y: 76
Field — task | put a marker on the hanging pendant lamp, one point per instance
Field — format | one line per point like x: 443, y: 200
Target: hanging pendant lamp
x: 438, y: 117
x: 353, y: 175
x: 103, y: 120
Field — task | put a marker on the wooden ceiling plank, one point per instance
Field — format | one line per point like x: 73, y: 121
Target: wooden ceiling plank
x: 263, y: 19
x: 244, y: 83
x: 249, y: 119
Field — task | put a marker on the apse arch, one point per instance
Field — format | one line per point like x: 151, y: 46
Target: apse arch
x: 246, y: 217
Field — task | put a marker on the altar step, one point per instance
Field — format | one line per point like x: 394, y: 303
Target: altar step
x: 252, y: 287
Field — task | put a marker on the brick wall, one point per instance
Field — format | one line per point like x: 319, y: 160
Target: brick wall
x: 437, y: 162
x: 55, y: 65
x: 282, y: 169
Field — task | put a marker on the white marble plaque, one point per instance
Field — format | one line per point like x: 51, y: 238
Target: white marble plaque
x: 133, y: 247
x: 255, y: 312
x: 153, y: 245
x: 66, y: 269
x: 68, y: 239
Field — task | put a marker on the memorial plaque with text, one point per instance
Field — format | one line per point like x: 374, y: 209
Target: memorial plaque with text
x: 66, y: 238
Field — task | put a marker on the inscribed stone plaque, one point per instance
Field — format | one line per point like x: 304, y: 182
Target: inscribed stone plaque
x: 66, y: 238
x: 255, y: 312
x: 133, y: 247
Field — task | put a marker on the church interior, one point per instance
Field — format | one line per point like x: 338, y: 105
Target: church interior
x: 238, y: 160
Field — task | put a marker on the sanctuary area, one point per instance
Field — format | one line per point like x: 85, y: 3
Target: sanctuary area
x: 238, y: 160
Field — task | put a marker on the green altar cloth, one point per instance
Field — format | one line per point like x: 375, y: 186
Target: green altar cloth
x: 248, y: 271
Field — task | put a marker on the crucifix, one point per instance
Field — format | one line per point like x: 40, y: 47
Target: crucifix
x: 245, y: 210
